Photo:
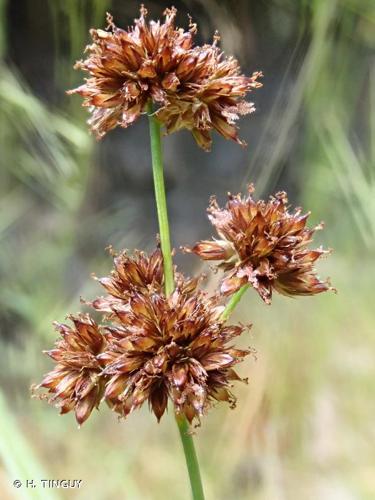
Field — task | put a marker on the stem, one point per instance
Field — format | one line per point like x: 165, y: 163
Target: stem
x: 161, y: 201
x: 165, y: 243
x: 236, y: 297
x: 191, y: 458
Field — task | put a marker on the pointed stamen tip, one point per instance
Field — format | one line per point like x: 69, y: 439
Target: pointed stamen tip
x: 109, y: 19
x: 170, y: 14
x: 251, y: 188
x: 193, y: 27
x: 33, y: 391
x: 331, y: 288
x: 216, y: 38
x: 111, y: 251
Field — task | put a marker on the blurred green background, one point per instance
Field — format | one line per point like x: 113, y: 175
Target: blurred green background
x: 304, y: 426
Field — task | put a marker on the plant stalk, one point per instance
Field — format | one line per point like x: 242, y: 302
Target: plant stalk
x: 161, y: 200
x: 191, y: 458
x: 165, y: 243
x: 236, y: 297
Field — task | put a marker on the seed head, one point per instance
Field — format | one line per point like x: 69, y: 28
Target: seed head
x: 264, y: 244
x: 149, y: 348
x: 75, y: 383
x: 192, y: 87
x: 176, y: 348
x: 132, y: 273
x: 138, y: 273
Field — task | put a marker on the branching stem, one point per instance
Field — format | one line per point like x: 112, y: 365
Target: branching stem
x: 236, y: 297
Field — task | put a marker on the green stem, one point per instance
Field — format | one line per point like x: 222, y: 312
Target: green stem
x: 165, y: 243
x: 161, y: 201
x: 191, y: 458
x: 236, y: 297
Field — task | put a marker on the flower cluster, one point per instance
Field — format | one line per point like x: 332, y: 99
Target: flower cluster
x: 152, y: 347
x: 177, y: 348
x: 192, y: 87
x: 263, y: 244
x: 149, y: 348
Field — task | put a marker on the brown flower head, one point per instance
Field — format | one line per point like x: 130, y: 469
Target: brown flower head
x: 151, y: 347
x: 264, y: 244
x: 139, y: 273
x: 213, y: 100
x: 173, y: 347
x: 75, y: 382
x: 193, y: 87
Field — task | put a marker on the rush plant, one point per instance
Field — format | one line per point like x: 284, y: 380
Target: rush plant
x: 162, y: 338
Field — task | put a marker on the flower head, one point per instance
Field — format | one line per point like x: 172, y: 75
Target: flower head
x: 264, y: 244
x: 212, y: 100
x: 150, y: 347
x: 193, y: 87
x: 176, y: 347
x: 132, y: 273
x: 75, y: 382
x: 138, y: 273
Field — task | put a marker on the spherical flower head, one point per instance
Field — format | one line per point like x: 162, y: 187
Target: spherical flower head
x: 197, y: 88
x: 137, y: 273
x: 264, y: 244
x: 75, y: 383
x: 215, y: 101
x: 176, y: 348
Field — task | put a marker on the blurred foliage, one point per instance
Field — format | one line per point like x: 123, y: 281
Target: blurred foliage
x: 304, y: 424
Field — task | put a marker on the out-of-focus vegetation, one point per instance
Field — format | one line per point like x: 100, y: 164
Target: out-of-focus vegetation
x: 304, y: 426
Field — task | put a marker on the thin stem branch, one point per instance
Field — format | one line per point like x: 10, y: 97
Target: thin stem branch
x: 236, y: 297
x: 165, y: 243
